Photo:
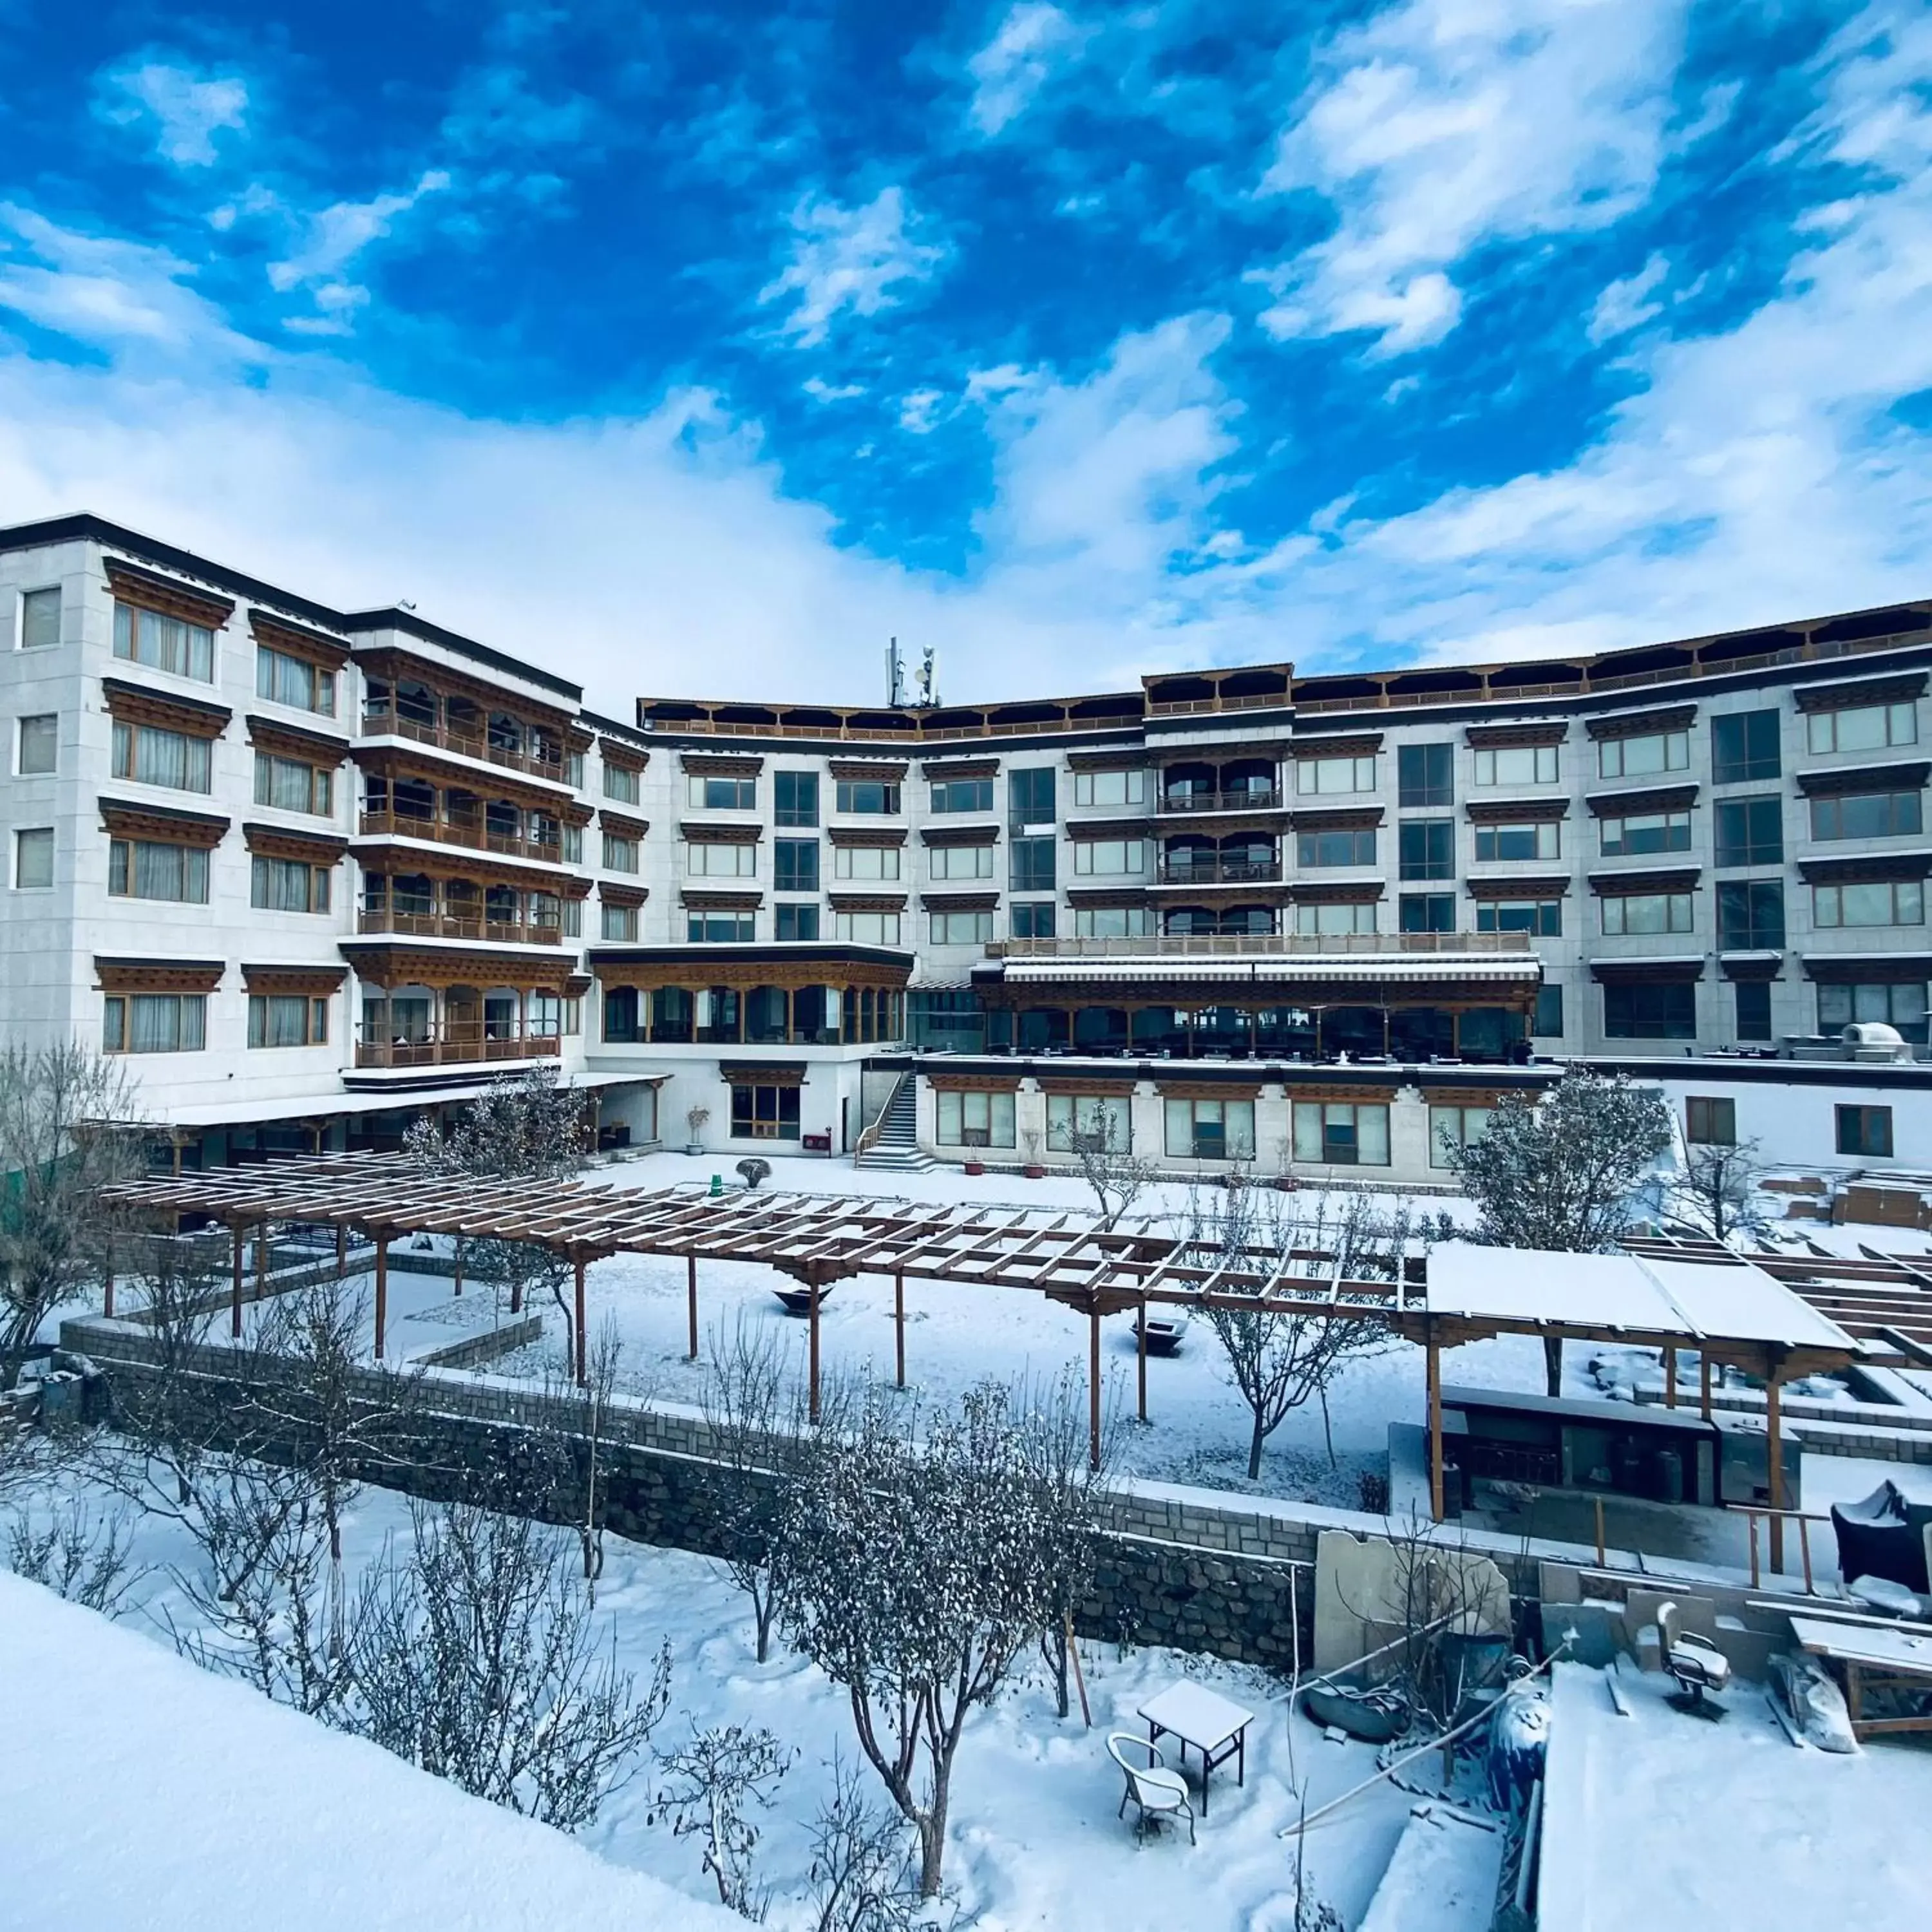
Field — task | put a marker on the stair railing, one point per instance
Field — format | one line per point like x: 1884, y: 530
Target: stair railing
x: 869, y: 1137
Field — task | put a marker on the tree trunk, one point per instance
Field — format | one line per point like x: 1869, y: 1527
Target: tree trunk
x: 1255, y: 1452
x: 932, y: 1834
x: 1552, y: 1365
x: 1053, y: 1643
x: 763, y: 1610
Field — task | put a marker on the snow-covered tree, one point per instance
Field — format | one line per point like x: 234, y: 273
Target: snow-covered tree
x: 1118, y: 1175
x: 1715, y: 1189
x: 712, y: 1783
x: 919, y: 1573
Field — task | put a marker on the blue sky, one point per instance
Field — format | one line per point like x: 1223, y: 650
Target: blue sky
x: 697, y: 350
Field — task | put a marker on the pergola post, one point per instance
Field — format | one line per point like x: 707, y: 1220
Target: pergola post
x: 261, y: 1259
x: 812, y: 1385
x: 1093, y: 1385
x: 382, y: 1289
x: 1704, y: 1383
x: 235, y: 1298
x: 1773, y: 1440
x: 898, y: 1329
x: 456, y: 1251
x: 582, y: 1371
x: 691, y: 1298
x: 341, y: 1249
x: 1140, y: 1350
x: 1670, y: 1378
x: 107, y: 1289
x: 1435, y: 1382
x: 517, y: 1295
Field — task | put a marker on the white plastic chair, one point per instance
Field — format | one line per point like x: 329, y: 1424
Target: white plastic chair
x: 1695, y: 1661
x: 1158, y: 1791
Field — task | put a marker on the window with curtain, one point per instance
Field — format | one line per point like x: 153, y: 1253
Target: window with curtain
x: 288, y: 785
x: 710, y: 794
x: 1639, y: 832
x: 623, y: 783
x: 1870, y: 902
x: 283, y: 679
x: 1638, y: 913
x: 39, y: 745
x: 620, y: 923
x: 959, y: 862
x: 165, y: 643
x: 34, y: 859
x: 1538, y: 838
x: 1865, y: 727
x: 1210, y: 1129
x: 963, y: 795
x: 867, y: 795
x: 286, y: 1019
x: 1110, y: 856
x: 141, y: 869
x: 154, y: 1023
x: 703, y: 861
x: 975, y: 1120
x: 1454, y: 1127
x: 287, y: 885
x: 40, y: 618
x: 1341, y: 1133
x: 1102, y: 1121
x: 149, y: 755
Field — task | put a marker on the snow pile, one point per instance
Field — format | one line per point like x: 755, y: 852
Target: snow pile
x: 139, y: 1790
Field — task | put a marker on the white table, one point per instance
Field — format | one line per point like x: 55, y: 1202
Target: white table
x: 1870, y: 1655
x: 1215, y: 1726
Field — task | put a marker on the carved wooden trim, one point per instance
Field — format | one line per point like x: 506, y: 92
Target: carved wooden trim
x: 291, y: 741
x: 1363, y: 745
x: 393, y: 663
x: 761, y: 1073
x: 162, y: 824
x: 1468, y: 1096
x: 960, y: 834
x: 613, y: 895
x: 1642, y: 724
x: 1657, y: 879
x: 131, y: 584
x: 1086, y: 829
x: 386, y: 963
x: 1357, y: 892
x: 1125, y: 758
x: 446, y: 772
x: 1901, y: 690
x: 1337, y: 1091
x: 1517, y: 810
x: 479, y: 869
x: 1544, y: 886
x: 1646, y: 972
x: 941, y: 901
x: 699, y: 900
x: 695, y: 832
x: 1864, y: 778
x: 1205, y: 1089
x: 317, y: 982
x: 880, y: 835
x: 626, y: 756
x: 1872, y: 868
x: 1652, y: 798
x: 938, y: 770
x: 1751, y: 966
x: 136, y: 704
x: 886, y: 771
x: 157, y: 975
x: 973, y: 1083
x: 278, y: 842
x: 1851, y: 968
x: 1509, y: 737
x: 622, y: 823
x: 279, y: 634
x: 720, y: 764
x: 867, y: 901
x: 1337, y: 818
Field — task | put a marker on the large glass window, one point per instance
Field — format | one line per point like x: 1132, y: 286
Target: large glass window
x: 1337, y: 1133
x: 618, y: 923
x: 34, y: 859
x: 1710, y: 1120
x: 1454, y: 1127
x: 795, y: 864
x: 624, y: 783
x: 1536, y: 839
x: 867, y: 795
x: 41, y: 620
x: 1750, y: 831
x: 1426, y: 848
x: 1102, y: 788
x: 1866, y: 1131
x: 872, y: 861
x: 620, y: 854
x: 1030, y: 796
x: 1032, y: 863
x: 1516, y: 764
x: 1643, y: 756
x: 288, y: 785
x: 1753, y: 1009
x: 1865, y: 727
x: 1112, y: 922
x: 1654, y: 1009
x: 704, y: 861
x: 1870, y: 902
x: 720, y: 928
x: 1750, y: 912
x: 1744, y: 745
x: 1639, y: 833
x: 1900, y: 1004
x: 1632, y: 913
x: 967, y: 794
x: 1866, y: 814
x: 286, y: 1019
x: 1314, y: 776
x: 764, y: 1113
x: 1427, y: 912
x: 724, y: 794
x: 1326, y: 922
x: 1425, y: 775
x: 1355, y: 846
x: 287, y: 885
x: 960, y: 862
x: 867, y: 928
x: 154, y: 1023
x: 1543, y: 917
x: 962, y: 929
x: 39, y: 748
x: 795, y: 798
x: 283, y: 679
x: 1548, y: 1022
x: 975, y: 1120
x: 1210, y: 1129
x: 1110, y: 856
x: 795, y: 922
x: 164, y: 643
x: 139, y: 868
x: 1097, y: 1121
x: 152, y: 756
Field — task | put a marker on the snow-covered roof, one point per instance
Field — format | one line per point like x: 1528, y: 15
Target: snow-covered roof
x: 1396, y: 970
x: 1697, y: 1300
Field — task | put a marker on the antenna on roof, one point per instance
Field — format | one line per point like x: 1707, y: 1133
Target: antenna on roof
x: 404, y: 604
x: 895, y: 692
x: 929, y: 679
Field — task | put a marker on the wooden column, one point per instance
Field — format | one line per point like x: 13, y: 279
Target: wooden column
x: 811, y: 1396
x: 1435, y: 1383
x: 691, y: 1296
x: 382, y: 1289
x: 898, y: 1328
x: 261, y: 1259
x: 1140, y: 1352
x: 1093, y: 1387
x: 235, y: 1299
x: 107, y: 1290
x: 341, y: 1249
x: 456, y: 1250
x: 1704, y: 1383
x: 1670, y: 1378
x: 1774, y: 1441
x: 582, y: 1372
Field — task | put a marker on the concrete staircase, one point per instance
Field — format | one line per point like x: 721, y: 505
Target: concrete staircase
x: 896, y: 1146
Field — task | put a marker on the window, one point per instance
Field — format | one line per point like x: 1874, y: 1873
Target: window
x: 165, y: 643
x: 1871, y: 902
x: 867, y: 861
x: 624, y: 783
x: 1646, y: 832
x: 286, y: 1019
x: 795, y: 922
x: 1454, y: 1127
x: 1750, y: 912
x: 1865, y: 1130
x: 1316, y: 775
x: 702, y: 861
x: 620, y: 852
x: 1211, y: 1129
x: 1750, y: 831
x: 573, y: 845
x: 1898, y: 1004
x: 1112, y: 922
x: 1109, y: 788
x: 1110, y: 856
x: 33, y: 860
x: 1325, y: 922
x: 1869, y: 728
x: 975, y: 1120
x: 1643, y: 756
x: 1426, y: 848
x: 1753, y: 1009
x: 152, y: 756
x: 1516, y: 764
x: 871, y: 795
x: 290, y: 785
x: 1099, y: 1120
x: 867, y: 928
x: 1628, y: 915
x: 1543, y: 917
x: 1336, y: 1133
x: 1744, y: 746
x: 764, y: 1113
x: 1355, y: 846
x: 283, y: 679
x: 139, y: 869
x: 795, y: 798
x: 1654, y: 1009
x: 1539, y: 839
x: 573, y: 769
x: 154, y: 1023
x: 1865, y: 814
x: 1426, y: 912
x: 709, y: 794
x: 959, y: 862
x: 40, y: 620
x: 720, y: 928
x: 962, y: 929
x: 1424, y: 775
x: 620, y: 922
x: 1710, y: 1122
x: 963, y: 795
x: 1032, y: 860
x: 1030, y: 796
x: 39, y: 745
x: 1034, y: 919
x: 1547, y: 1022
x: 288, y: 885
x: 794, y: 865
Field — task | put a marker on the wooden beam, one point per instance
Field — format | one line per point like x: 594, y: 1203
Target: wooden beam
x: 382, y: 1289
x: 691, y: 1299
x: 1140, y: 1350
x: 261, y: 1259
x: 235, y: 1298
x: 1774, y: 1441
x: 898, y: 1330
x: 1093, y: 1387
x: 1433, y: 1377
x: 811, y: 1395
x: 578, y: 1352
x: 1670, y: 1378
x: 341, y: 1249
x: 1704, y: 1382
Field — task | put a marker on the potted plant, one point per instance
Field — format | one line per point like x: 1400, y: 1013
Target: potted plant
x: 973, y: 1164
x: 694, y: 1118
x: 1030, y: 1140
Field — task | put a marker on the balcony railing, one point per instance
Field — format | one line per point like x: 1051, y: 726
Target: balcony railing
x: 458, y: 925
x: 1278, y: 945
x: 1220, y: 872
x: 1175, y: 803
x: 456, y: 1046
x: 378, y: 719
x: 474, y: 833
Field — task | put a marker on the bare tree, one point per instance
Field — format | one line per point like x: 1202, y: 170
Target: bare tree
x: 1281, y: 1358
x: 1118, y: 1175
x: 917, y: 1575
x: 476, y: 1658
x: 68, y: 1133
x: 1562, y: 1173
x: 862, y: 1874
x: 1715, y: 1189
x: 715, y: 1777
x: 80, y: 1556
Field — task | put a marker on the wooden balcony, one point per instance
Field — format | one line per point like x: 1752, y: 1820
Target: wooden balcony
x: 457, y: 925
x: 468, y: 1045
x: 1217, y: 872
x: 381, y: 720
x: 1280, y: 945
x: 1190, y: 804
x: 472, y: 831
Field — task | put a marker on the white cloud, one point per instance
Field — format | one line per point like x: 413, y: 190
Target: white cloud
x: 331, y: 238
x: 188, y: 108
x: 918, y: 412
x: 847, y: 258
x: 1028, y: 46
x: 1438, y: 125
x: 820, y: 391
x: 1625, y: 304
